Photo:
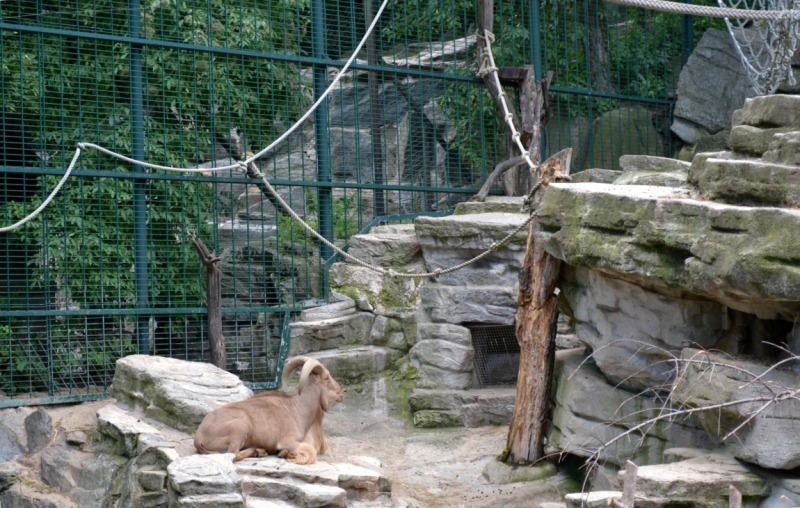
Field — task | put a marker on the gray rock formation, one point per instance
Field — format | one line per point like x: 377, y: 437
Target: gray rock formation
x: 713, y: 65
x: 589, y: 412
x: 462, y: 408
x: 636, y: 333
x: 771, y: 439
x: 611, y: 136
x: 39, y: 429
x: 175, y: 392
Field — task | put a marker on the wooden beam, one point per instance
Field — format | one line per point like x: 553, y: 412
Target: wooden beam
x: 536, y: 331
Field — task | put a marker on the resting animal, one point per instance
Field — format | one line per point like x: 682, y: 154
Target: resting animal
x: 286, y: 423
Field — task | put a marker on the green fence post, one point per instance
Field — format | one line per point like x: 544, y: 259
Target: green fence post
x: 687, y: 36
x: 139, y: 200
x: 536, y: 43
x: 324, y: 194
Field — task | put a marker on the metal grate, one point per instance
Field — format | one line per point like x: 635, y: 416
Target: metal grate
x: 496, y: 354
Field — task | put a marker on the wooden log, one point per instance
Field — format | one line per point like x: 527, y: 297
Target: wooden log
x: 216, y: 341
x: 536, y: 330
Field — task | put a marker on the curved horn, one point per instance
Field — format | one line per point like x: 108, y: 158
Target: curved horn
x: 290, y: 366
x: 311, y: 366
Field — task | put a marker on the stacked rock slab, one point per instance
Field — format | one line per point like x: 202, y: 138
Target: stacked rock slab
x: 653, y: 270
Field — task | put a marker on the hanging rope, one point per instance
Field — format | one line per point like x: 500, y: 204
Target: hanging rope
x: 711, y: 12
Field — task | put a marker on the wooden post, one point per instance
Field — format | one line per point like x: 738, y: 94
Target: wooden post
x: 536, y: 329
x: 628, y: 487
x: 216, y: 341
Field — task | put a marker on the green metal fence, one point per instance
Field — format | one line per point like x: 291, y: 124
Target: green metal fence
x: 108, y: 269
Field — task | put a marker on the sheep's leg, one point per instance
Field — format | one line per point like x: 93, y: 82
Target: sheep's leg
x: 245, y: 454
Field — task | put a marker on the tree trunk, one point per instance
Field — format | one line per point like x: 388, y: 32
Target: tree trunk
x: 216, y: 341
x: 536, y: 329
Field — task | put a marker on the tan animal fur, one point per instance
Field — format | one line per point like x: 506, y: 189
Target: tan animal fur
x: 287, y: 423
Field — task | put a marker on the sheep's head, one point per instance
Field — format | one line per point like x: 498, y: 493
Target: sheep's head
x: 314, y: 372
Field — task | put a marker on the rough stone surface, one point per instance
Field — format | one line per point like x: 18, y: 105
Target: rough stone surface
x: 462, y: 408
x: 596, y: 175
x: 598, y: 499
x: 39, y: 429
x: 500, y: 473
x: 350, y: 330
x: 198, y: 475
x: 713, y: 65
x: 663, y: 179
x: 17, y: 498
x: 702, y: 482
x: 769, y: 111
x: 443, y: 354
x: 448, y: 241
x: 386, y: 296
x: 389, y: 250
x: 747, y: 182
x: 737, y: 255
x: 753, y: 140
x: 451, y: 333
x: 307, y: 495
x: 175, y: 392
x: 630, y: 163
x: 784, y: 149
x: 118, y: 431
x: 9, y: 471
x: 212, y: 501
x: 330, y: 311
x: 84, y: 477
x: 589, y: 411
x: 350, y: 366
x: 469, y: 304
x: 772, y: 439
x: 611, y: 138
x: 492, y: 204
x: 635, y: 332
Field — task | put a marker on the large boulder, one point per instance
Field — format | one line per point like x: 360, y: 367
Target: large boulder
x: 769, y: 438
x: 175, y: 392
x: 712, y: 85
x: 636, y: 333
x: 348, y: 330
x: 588, y: 412
x: 611, y: 135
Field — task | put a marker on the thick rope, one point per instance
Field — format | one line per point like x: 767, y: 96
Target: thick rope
x: 711, y: 12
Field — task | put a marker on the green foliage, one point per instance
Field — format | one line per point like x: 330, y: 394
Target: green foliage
x: 78, y: 89
x: 345, y: 221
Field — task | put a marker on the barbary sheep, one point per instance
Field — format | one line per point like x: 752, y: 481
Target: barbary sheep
x: 287, y: 423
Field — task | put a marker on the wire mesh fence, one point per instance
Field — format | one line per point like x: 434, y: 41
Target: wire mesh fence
x: 108, y: 269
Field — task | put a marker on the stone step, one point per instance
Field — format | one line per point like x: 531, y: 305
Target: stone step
x: 118, y: 431
x: 257, y: 502
x: 471, y: 303
x: 331, y: 311
x: 349, y: 330
x: 360, y: 483
x: 304, y: 495
x: 393, y: 229
x: 389, y: 250
x: 769, y: 111
x: 630, y: 163
x: 746, y: 182
x: 350, y: 366
x: 212, y: 501
x: 462, y: 408
x: 492, y: 204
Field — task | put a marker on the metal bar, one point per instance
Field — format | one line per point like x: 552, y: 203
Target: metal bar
x: 376, y: 114
x: 324, y: 194
x: 607, y: 95
x: 237, y: 52
x: 687, y: 36
x: 211, y: 179
x: 55, y: 399
x: 536, y: 43
x: 150, y: 312
x: 139, y: 198
x: 283, y: 353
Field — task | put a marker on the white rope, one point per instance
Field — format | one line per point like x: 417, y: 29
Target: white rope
x: 47, y: 201
x: 244, y: 164
x: 711, y: 12
x: 488, y: 67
